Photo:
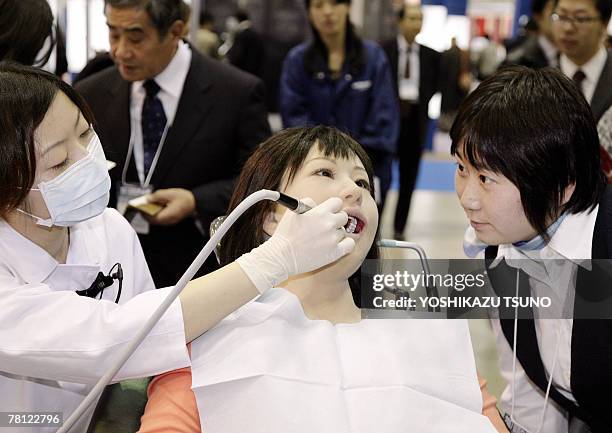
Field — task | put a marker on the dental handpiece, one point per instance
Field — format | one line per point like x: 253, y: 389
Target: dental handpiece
x: 292, y: 203
x: 296, y: 205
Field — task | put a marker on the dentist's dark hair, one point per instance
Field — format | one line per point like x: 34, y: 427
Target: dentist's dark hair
x: 26, y: 93
x: 535, y: 128
x: 285, y: 152
x: 25, y: 25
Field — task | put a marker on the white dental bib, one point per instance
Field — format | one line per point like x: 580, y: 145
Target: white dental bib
x: 269, y: 369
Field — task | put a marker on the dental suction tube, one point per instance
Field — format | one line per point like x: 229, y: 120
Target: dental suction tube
x: 287, y: 201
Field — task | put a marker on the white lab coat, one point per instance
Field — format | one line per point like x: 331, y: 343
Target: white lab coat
x: 54, y: 344
x: 269, y: 369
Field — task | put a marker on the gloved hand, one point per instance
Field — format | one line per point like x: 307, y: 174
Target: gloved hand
x: 301, y: 243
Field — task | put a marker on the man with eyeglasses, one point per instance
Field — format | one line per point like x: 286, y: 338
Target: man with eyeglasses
x: 580, y: 27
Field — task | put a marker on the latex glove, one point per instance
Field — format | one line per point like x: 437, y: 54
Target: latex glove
x: 301, y: 243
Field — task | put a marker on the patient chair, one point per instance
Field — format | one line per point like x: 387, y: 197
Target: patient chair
x: 120, y: 407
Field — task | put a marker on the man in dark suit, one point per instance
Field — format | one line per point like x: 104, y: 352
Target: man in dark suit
x: 415, y: 70
x: 454, y: 83
x: 540, y: 50
x: 176, y: 123
x: 580, y: 27
x: 247, y: 51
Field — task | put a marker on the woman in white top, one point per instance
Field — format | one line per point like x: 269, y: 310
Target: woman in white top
x: 56, y: 235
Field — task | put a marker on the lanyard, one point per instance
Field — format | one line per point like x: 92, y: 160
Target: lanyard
x: 143, y: 183
x: 547, y: 396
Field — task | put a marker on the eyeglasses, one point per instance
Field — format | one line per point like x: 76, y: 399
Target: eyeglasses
x: 574, y: 21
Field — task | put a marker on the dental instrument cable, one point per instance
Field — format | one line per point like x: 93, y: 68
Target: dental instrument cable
x: 431, y: 290
x: 287, y: 201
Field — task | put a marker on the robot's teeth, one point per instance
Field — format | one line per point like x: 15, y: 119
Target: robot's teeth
x: 351, y: 225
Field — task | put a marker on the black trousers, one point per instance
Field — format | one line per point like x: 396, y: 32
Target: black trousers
x: 409, y: 151
x: 381, y: 161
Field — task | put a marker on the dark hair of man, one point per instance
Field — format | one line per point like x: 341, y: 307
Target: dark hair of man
x: 532, y: 25
x: 206, y: 18
x: 316, y: 55
x: 162, y: 13
x: 604, y: 7
x: 185, y: 12
x: 25, y: 25
x: 537, y: 6
x: 401, y: 13
x: 241, y: 15
x: 535, y: 128
x: 26, y: 94
x: 285, y: 152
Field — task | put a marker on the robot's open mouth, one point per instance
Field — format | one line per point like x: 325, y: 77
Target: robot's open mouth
x: 354, y: 225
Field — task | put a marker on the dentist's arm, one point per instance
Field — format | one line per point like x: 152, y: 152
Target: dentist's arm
x: 301, y: 243
x: 58, y: 335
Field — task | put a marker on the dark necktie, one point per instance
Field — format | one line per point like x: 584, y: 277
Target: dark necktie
x: 407, y: 70
x: 578, y: 78
x: 153, y: 122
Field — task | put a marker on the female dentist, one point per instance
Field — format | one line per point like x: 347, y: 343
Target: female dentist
x: 56, y: 235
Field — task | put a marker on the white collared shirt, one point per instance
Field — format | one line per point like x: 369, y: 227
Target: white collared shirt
x: 592, y: 71
x: 171, y: 81
x: 408, y: 87
x: 550, y: 276
x: 550, y: 50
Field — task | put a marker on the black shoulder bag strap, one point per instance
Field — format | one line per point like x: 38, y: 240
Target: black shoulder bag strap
x: 527, y: 351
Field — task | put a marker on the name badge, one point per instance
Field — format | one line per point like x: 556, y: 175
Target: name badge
x: 128, y: 192
x: 408, y: 90
x: 362, y: 85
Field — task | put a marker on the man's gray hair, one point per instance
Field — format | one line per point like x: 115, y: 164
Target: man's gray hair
x: 163, y: 13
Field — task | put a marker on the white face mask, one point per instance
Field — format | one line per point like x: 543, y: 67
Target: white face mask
x: 78, y: 194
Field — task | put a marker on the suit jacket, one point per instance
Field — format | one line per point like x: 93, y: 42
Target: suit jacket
x: 529, y: 54
x: 600, y: 103
x: 453, y: 63
x: 220, y: 118
x: 429, y: 67
x: 247, y: 52
x: 602, y: 98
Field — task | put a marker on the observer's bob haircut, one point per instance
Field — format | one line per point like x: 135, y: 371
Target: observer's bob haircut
x: 536, y: 129
x: 280, y: 155
x: 26, y: 93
